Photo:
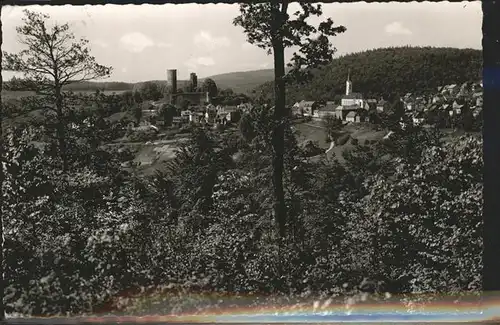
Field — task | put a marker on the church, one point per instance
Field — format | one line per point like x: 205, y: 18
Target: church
x: 352, y: 104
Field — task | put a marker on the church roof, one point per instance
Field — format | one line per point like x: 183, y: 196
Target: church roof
x: 353, y: 96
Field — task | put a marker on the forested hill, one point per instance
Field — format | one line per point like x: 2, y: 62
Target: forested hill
x: 386, y: 71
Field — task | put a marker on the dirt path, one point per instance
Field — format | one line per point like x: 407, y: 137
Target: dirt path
x: 332, y: 145
x: 148, y: 143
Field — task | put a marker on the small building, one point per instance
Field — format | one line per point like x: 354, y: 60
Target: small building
x: 186, y: 113
x: 308, y: 107
x: 328, y: 110
x: 296, y: 111
x: 196, y: 117
x: 211, y: 115
x: 381, y: 105
x: 178, y: 120
x: 351, y: 116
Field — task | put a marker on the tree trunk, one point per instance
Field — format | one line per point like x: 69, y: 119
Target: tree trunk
x: 491, y: 148
x: 278, y: 138
x: 2, y: 239
x: 61, y: 126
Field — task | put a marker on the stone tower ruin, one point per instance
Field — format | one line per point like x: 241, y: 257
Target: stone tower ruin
x: 172, y: 83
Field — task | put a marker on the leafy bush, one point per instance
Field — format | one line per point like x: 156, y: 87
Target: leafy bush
x: 343, y: 139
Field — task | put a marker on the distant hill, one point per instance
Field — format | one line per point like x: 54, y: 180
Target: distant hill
x: 240, y: 82
x: 243, y: 82
x: 104, y: 85
x: 387, y: 71
x: 374, y: 73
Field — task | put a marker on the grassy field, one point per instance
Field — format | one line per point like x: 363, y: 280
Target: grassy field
x: 315, y: 132
x: 312, y: 131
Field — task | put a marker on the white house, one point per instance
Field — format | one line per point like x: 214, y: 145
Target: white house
x: 351, y: 117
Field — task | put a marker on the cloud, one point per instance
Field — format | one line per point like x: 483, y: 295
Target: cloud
x: 136, y: 42
x: 200, y: 61
x: 396, y: 28
x: 164, y: 45
x: 205, y: 40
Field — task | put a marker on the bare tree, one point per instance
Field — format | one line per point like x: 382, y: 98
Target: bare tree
x: 52, y: 59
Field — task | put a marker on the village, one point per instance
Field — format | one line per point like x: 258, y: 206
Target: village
x: 452, y: 100
x: 194, y: 107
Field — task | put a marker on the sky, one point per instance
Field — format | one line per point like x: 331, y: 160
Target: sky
x: 141, y: 42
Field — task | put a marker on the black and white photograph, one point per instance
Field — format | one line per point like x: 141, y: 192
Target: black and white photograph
x: 248, y: 162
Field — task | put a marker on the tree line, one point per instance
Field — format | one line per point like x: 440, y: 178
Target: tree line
x: 384, y: 72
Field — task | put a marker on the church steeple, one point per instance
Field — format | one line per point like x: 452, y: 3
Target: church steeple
x: 348, y: 84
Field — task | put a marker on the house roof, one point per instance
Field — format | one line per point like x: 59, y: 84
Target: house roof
x: 328, y: 107
x: 351, y: 114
